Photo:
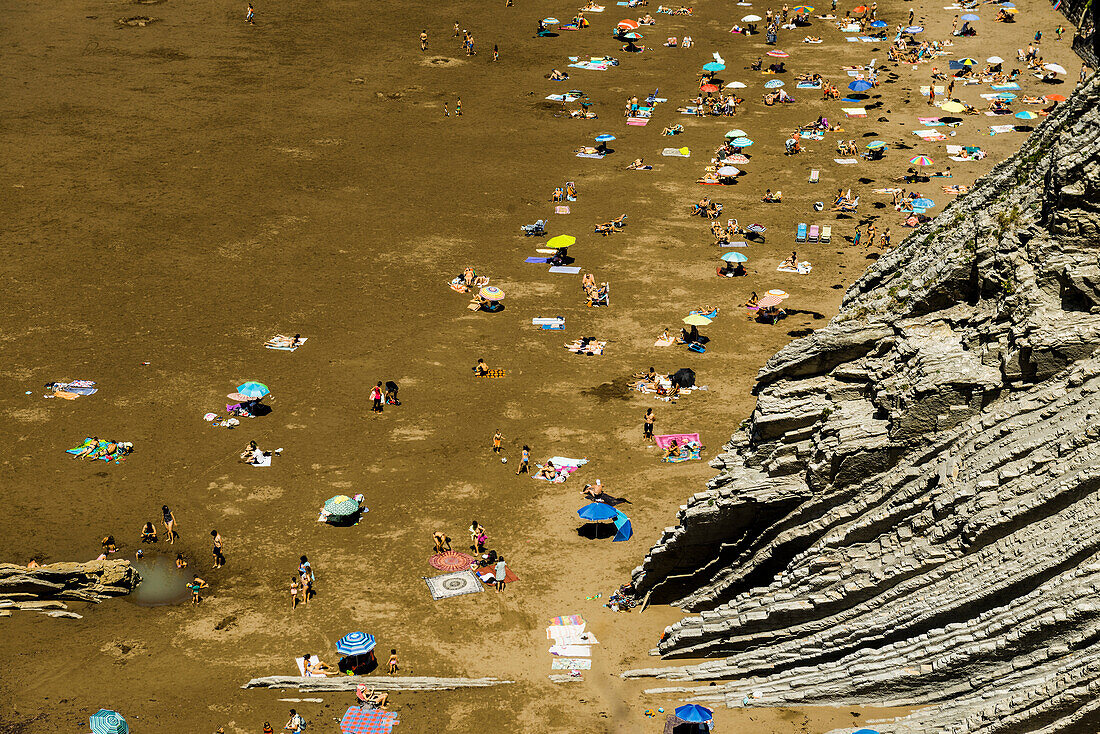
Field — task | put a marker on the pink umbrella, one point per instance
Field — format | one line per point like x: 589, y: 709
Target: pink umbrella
x: 778, y: 54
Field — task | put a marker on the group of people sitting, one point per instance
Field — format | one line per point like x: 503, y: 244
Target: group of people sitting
x: 469, y: 280
x: 777, y: 96
x: 706, y: 208
x: 843, y: 202
x: 724, y: 235
x: 256, y: 456
x: 565, y: 193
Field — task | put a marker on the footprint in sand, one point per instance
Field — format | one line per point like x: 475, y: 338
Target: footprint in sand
x: 138, y: 21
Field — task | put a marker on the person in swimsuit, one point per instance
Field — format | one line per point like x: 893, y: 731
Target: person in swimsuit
x: 647, y: 423
x: 169, y: 523
x: 149, y: 533
x: 294, y: 592
x: 219, y: 559
x: 500, y: 574
x: 392, y: 665
x: 524, y: 461
x: 195, y: 586
x: 481, y: 369
x: 181, y: 562
x: 498, y: 441
x: 317, y: 668
x: 441, y: 541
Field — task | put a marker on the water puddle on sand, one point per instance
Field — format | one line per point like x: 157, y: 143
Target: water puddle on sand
x: 162, y: 584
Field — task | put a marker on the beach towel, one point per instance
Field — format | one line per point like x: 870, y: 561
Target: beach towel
x: 1006, y: 87
x: 494, y: 374
x: 285, y: 343
x: 89, y: 441
x: 926, y: 88
x: 591, y: 155
x: 846, y: 161
x: 689, y: 452
x: 854, y: 111
x: 264, y: 462
x: 665, y: 439
x: 563, y: 473
x: 995, y: 129
x: 571, y: 651
x: 808, y: 85
x: 549, y: 324
x: 71, y: 390
x: 592, y: 66
x: 313, y: 659
x: 488, y: 574
x: 675, y: 153
x: 537, y: 260
x: 570, y: 664
x: 571, y: 634
x: 637, y: 121
x: 561, y: 209
x: 453, y: 584
x: 851, y: 39
x: 568, y: 620
x: 665, y: 342
x: 803, y: 268
x: 869, y: 39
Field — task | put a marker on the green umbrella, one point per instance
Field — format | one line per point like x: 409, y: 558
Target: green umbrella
x: 341, y: 506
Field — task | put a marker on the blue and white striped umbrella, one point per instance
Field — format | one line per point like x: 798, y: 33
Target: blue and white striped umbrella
x: 773, y: 84
x: 106, y: 721
x: 355, y: 643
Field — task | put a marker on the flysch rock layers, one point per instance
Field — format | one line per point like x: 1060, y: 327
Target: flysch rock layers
x: 45, y: 588
x: 911, y: 515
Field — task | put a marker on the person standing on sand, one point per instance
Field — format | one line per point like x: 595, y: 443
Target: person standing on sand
x: 871, y: 235
x: 498, y: 440
x: 458, y: 107
x: 456, y: 29
x: 856, y: 237
x: 446, y: 112
x: 376, y: 391
x: 169, y: 523
x: 647, y: 423
x: 524, y: 461
x: 294, y: 593
x: 423, y: 40
x: 500, y: 574
x: 219, y: 559
x: 886, y: 238
x: 496, y: 53
x: 392, y: 667
x: 250, y: 15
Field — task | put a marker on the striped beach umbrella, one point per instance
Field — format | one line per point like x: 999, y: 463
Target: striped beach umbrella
x: 803, y: 9
x: 875, y: 145
x: 921, y: 160
x: 491, y: 293
x: 967, y: 62
x: 778, y: 54
x: 773, y: 84
x: 355, y: 643
x: 628, y: 24
x: 106, y: 721
x: 912, y: 29
x: 740, y: 142
x: 1027, y: 115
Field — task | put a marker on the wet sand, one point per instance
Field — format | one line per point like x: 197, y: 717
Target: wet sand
x: 177, y: 193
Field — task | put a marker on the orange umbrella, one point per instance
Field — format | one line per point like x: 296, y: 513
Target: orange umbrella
x: 628, y: 24
x: 709, y: 88
x: 859, y: 9
x: 1054, y: 98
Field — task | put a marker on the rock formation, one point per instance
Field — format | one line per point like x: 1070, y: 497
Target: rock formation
x: 93, y: 581
x: 910, y: 516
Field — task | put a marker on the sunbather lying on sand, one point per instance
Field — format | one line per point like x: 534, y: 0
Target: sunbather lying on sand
x: 638, y: 165
x: 558, y: 76
x: 316, y: 667
x: 549, y: 471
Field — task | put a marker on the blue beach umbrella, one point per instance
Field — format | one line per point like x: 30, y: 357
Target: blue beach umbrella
x: 714, y: 66
x: 549, y: 21
x: 912, y: 29
x: 773, y: 84
x: 604, y: 138
x: 740, y: 142
x: 876, y: 144
x: 1026, y: 115
x: 879, y: 24
x: 971, y: 17
x: 693, y: 712
x: 252, y: 389
x: 596, y: 511
x: 865, y: 731
x: 1006, y: 96
x: 632, y: 36
x: 861, y: 85
x: 355, y: 643
x: 623, y: 530
x: 106, y: 721
x: 924, y: 203
x: 735, y: 257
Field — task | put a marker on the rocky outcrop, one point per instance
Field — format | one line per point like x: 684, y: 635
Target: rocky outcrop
x: 910, y: 515
x: 93, y: 581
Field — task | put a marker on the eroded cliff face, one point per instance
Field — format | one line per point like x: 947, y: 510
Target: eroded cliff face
x: 912, y: 513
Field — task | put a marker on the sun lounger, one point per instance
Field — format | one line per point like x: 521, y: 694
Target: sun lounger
x: 313, y: 659
x: 815, y: 175
x: 800, y: 235
x: 534, y: 230
x: 813, y: 233
x: 826, y: 234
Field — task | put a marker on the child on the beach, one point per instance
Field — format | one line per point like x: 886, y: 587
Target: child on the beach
x: 524, y: 461
x: 392, y: 668
x: 498, y: 441
x: 195, y: 585
x: 293, y: 592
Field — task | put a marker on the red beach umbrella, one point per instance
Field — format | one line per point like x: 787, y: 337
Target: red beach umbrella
x: 709, y: 88
x: 628, y: 24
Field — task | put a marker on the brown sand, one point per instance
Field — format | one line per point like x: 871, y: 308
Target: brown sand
x: 177, y: 192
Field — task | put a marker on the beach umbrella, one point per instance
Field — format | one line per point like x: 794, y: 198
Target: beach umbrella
x: 921, y: 160
x: 549, y: 21
x: 604, y: 138
x: 740, y: 142
x: 1026, y: 115
x: 451, y: 561
x: 632, y: 36
x: 737, y: 159
x: 767, y: 300
x: 1054, y: 98
x: 971, y: 17
x: 491, y: 293
x: 623, y: 530
x: 735, y: 257
x: 341, y: 505
x: 773, y: 84
x: 757, y: 228
x: 861, y: 85
x: 876, y: 144
x: 913, y: 29
x: 251, y: 390
x: 859, y: 9
x: 995, y: 60
x: 596, y: 511
x: 737, y: 85
x: 694, y: 713
x: 967, y: 62
x: 1055, y: 68
x: 738, y: 133
x: 865, y: 731
x: 778, y: 54
x: 777, y: 293
x: 355, y: 643
x: 751, y: 19
x: 803, y: 9
x: 1007, y: 96
x: 924, y: 203
x: 709, y: 88
x: 728, y: 171
x: 879, y: 24
x: 714, y: 66
x: 696, y: 319
x: 953, y: 107
x: 561, y: 241
x: 106, y: 721
x: 628, y: 24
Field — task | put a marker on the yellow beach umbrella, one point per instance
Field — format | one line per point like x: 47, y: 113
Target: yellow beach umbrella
x: 696, y: 320
x: 953, y: 107
x: 562, y: 240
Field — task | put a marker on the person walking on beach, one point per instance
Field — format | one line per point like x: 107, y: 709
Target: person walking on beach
x: 911, y: 16
x: 496, y: 53
x: 392, y: 666
x: 169, y: 523
x: 456, y: 29
x: 446, y: 112
x: 219, y: 559
x: 195, y: 586
x: 498, y: 441
x: 296, y: 722
x: 376, y: 391
x: 524, y: 461
x: 856, y: 237
x: 886, y: 239
x: 458, y: 107
x: 477, y: 536
x: 871, y: 235
x: 647, y: 423
x: 250, y: 15
x: 423, y: 40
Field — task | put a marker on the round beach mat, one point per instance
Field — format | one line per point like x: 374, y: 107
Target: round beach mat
x: 451, y: 561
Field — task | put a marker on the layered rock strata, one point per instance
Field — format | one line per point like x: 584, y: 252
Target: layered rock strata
x: 93, y: 582
x: 910, y: 516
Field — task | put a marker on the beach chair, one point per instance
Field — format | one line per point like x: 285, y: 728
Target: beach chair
x: 537, y: 229
x: 826, y: 234
x: 815, y: 175
x: 850, y: 206
x: 813, y: 233
x: 800, y: 235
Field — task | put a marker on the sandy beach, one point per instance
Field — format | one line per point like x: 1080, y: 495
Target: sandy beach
x: 178, y: 192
